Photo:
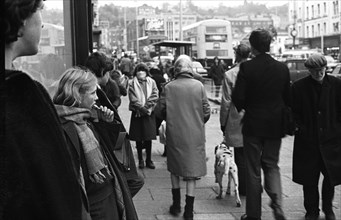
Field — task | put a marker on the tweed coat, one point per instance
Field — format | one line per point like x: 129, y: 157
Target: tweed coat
x: 229, y: 116
x: 318, y: 131
x: 184, y: 106
x: 263, y: 90
x: 38, y: 181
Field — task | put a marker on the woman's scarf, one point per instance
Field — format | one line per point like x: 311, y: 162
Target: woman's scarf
x: 141, y: 97
x: 93, y: 154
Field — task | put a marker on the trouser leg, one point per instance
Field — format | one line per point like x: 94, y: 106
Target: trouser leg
x: 252, y: 153
x: 139, y: 147
x: 272, y: 176
x: 311, y: 199
x: 148, y: 146
x: 240, y: 162
x: 327, y: 192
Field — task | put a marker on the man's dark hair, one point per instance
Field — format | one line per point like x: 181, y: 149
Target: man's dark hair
x: 16, y: 12
x: 99, y: 64
x: 260, y: 39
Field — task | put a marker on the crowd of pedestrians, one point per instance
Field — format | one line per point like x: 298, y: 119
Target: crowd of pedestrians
x: 70, y: 157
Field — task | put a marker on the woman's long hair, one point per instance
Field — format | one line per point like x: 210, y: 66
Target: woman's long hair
x: 74, y: 82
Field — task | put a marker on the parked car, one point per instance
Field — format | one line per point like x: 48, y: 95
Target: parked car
x: 296, y: 68
x: 296, y: 54
x: 198, y: 68
x: 337, y: 71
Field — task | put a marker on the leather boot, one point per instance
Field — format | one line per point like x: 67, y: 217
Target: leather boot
x: 188, y: 214
x: 175, y: 208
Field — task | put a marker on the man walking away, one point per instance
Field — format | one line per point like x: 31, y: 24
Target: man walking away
x: 262, y: 90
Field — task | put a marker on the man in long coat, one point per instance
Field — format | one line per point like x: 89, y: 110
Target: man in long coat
x: 184, y: 106
x: 317, y: 146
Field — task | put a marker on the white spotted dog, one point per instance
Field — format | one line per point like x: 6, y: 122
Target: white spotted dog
x: 225, y: 165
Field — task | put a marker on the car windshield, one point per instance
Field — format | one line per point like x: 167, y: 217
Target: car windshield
x: 197, y: 64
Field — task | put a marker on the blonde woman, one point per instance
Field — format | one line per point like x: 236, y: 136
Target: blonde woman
x: 107, y: 191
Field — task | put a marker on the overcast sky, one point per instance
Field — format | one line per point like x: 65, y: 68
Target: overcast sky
x: 200, y: 3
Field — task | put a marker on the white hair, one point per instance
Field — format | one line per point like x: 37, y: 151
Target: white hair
x: 183, y: 64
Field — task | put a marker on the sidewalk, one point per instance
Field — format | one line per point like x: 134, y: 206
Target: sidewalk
x: 154, y: 199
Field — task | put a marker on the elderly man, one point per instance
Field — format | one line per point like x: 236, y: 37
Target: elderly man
x: 317, y: 147
x: 184, y: 106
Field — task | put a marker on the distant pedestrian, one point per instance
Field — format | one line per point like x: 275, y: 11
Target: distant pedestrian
x: 126, y: 66
x: 230, y: 119
x: 262, y: 90
x: 184, y: 106
x: 317, y: 146
x: 157, y: 75
x: 217, y: 74
x: 143, y: 95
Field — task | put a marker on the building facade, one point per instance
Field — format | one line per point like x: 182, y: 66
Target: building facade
x: 317, y: 23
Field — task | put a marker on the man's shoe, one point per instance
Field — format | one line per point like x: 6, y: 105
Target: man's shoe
x: 277, y: 212
x: 245, y: 217
x: 311, y: 216
x: 141, y: 164
x: 150, y: 164
x: 330, y: 215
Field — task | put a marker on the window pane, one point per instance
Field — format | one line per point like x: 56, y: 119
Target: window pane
x: 216, y: 38
x: 52, y: 60
x: 214, y: 53
x: 216, y: 29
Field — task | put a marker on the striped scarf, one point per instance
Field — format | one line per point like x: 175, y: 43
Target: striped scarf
x: 93, y: 155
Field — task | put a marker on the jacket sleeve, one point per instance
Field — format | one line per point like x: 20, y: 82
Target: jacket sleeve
x: 160, y: 108
x: 152, y: 99
x: 239, y: 92
x: 225, y: 100
x: 286, y: 92
x: 296, y: 106
x: 134, y: 104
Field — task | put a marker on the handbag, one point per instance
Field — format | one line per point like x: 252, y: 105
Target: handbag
x: 122, y: 150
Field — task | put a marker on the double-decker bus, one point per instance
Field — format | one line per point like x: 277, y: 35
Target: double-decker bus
x: 212, y: 38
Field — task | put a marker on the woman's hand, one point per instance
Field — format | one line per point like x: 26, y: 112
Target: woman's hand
x: 105, y: 114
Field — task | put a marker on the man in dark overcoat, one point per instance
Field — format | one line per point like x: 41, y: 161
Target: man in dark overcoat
x: 262, y: 89
x: 317, y: 147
